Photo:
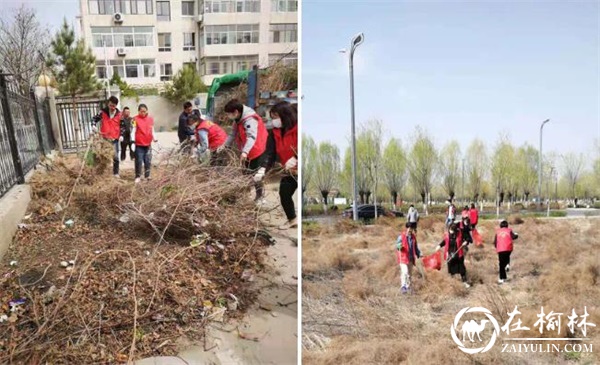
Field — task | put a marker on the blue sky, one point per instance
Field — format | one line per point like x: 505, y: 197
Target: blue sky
x: 460, y: 69
x: 49, y: 12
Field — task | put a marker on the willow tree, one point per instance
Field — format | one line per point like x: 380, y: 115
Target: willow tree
x: 309, y: 154
x: 450, y: 168
x: 476, y: 166
x: 327, y: 167
x: 421, y: 164
x: 394, y: 168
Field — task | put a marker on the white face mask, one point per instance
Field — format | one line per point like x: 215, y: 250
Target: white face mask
x: 276, y: 123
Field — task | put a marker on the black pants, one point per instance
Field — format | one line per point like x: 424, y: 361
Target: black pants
x: 253, y: 166
x: 143, y: 155
x: 503, y: 260
x: 126, y: 146
x: 457, y: 266
x: 115, y: 144
x: 287, y: 188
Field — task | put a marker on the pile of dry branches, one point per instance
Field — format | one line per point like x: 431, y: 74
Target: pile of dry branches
x: 138, y: 267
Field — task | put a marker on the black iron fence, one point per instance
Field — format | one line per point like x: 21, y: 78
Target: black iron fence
x: 25, y: 133
x: 76, y: 132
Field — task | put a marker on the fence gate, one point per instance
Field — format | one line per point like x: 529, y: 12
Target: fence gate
x: 85, y: 110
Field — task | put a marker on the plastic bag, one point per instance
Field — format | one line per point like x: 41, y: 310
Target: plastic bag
x: 477, y: 237
x: 433, y: 261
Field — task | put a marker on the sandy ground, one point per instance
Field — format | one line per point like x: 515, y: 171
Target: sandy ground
x: 273, y: 321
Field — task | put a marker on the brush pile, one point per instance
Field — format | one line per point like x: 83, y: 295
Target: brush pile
x: 107, y: 271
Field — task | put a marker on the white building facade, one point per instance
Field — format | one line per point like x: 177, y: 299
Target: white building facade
x: 148, y: 41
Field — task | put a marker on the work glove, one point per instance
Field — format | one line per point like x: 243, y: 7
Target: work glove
x: 94, y: 129
x: 399, y: 245
x: 259, y: 175
x: 244, y: 157
x: 221, y: 148
x: 133, y: 147
x: 291, y: 163
x: 121, y: 139
x: 438, y: 249
x: 193, y: 138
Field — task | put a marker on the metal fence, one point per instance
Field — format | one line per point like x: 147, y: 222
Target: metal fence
x: 85, y: 111
x: 25, y: 133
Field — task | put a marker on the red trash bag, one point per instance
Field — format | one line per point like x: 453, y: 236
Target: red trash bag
x: 433, y: 261
x: 477, y: 237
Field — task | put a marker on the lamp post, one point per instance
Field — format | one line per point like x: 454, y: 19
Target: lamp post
x: 540, y: 165
x: 356, y: 41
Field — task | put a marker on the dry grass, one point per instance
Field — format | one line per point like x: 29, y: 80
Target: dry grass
x: 353, y: 306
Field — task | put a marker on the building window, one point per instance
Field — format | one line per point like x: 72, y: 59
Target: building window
x: 231, y: 34
x: 285, y: 59
x: 163, y: 10
x: 122, y: 37
x: 110, y: 7
x: 126, y: 68
x: 284, y: 6
x: 187, y: 8
x: 166, y: 71
x: 164, y: 42
x: 189, y: 41
x: 232, y: 6
x: 228, y: 64
x: 284, y: 33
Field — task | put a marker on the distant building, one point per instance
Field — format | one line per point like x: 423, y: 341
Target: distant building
x: 148, y: 41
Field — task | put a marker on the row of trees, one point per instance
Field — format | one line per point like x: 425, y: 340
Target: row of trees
x: 504, y: 173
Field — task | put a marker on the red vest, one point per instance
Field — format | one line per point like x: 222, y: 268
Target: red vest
x: 402, y: 255
x: 110, y: 128
x: 447, y: 245
x: 260, y: 145
x: 473, y: 216
x: 504, y: 241
x: 216, y: 134
x: 143, y: 130
x: 286, y: 146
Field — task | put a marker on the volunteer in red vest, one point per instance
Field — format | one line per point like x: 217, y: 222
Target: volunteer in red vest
x: 407, y: 252
x: 503, y: 241
x: 473, y: 216
x: 454, y: 253
x: 111, y: 128
x: 208, y: 136
x: 284, y: 145
x: 142, y: 137
x: 250, y: 136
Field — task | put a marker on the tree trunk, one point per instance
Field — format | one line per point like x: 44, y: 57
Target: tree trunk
x: 361, y: 195
x: 527, y: 196
x: 394, y: 199
x: 324, y: 194
x: 367, y: 196
x: 375, y: 196
x: 452, y: 195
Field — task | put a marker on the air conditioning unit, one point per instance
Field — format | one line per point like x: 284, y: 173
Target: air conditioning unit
x: 118, y: 18
x: 121, y: 52
x: 200, y: 18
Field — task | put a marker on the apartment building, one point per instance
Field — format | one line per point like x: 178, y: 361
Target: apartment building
x: 147, y: 41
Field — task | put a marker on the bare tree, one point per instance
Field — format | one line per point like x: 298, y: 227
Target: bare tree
x: 22, y: 37
x: 327, y: 169
x: 527, y: 169
x: 394, y: 168
x: 449, y: 167
x: 421, y: 164
x: 572, y: 167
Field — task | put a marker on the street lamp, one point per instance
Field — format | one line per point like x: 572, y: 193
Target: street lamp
x: 356, y: 41
x: 540, y: 165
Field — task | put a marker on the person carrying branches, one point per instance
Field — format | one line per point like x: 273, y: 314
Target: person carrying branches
x: 208, y: 136
x: 453, y: 252
x: 111, y: 128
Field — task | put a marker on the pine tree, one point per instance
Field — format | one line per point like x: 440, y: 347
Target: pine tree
x: 73, y: 65
x: 186, y: 84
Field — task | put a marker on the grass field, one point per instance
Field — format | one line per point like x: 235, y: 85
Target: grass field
x: 354, y: 313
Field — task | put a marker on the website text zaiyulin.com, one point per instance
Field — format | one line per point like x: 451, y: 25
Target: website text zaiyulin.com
x: 546, y: 347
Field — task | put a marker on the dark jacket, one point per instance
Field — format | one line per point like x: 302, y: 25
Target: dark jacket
x: 126, y: 125
x: 183, y: 131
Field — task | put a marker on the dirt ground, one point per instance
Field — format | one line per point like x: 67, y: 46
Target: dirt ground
x: 266, y: 333
x: 354, y: 312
